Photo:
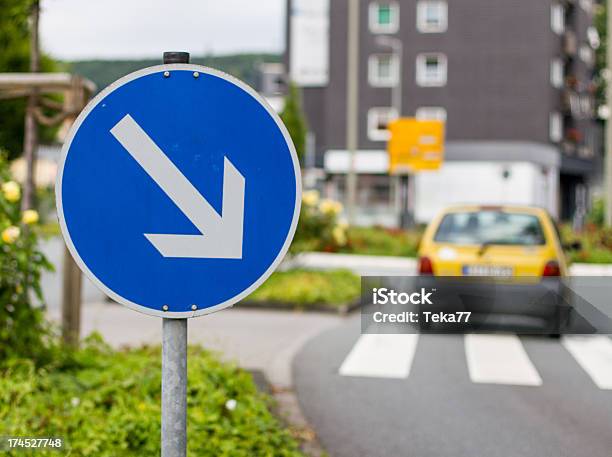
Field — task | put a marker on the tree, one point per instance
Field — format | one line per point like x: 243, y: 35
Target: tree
x: 14, y: 57
x: 14, y: 52
x: 293, y: 117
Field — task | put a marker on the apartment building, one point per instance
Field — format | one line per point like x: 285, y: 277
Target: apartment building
x: 512, y: 79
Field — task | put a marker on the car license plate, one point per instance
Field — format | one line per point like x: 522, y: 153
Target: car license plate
x: 488, y: 270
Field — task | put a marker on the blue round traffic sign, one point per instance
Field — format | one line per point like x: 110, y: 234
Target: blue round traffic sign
x: 178, y: 191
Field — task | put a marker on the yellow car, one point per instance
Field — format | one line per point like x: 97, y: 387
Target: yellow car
x: 513, y: 249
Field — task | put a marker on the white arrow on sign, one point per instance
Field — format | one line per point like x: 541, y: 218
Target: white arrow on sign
x: 221, y: 236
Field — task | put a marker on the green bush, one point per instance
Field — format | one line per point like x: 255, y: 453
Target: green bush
x: 596, y: 215
x: 382, y: 241
x: 319, y: 228
x: 596, y: 244
x: 22, y: 328
x: 304, y: 288
x: 107, y: 404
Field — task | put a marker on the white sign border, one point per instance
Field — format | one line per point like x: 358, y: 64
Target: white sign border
x: 60, y: 210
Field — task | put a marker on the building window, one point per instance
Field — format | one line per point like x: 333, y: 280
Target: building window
x: 587, y: 55
x: 383, y: 70
x: 556, y: 127
x: 431, y: 113
x: 432, y: 16
x: 557, y: 18
x: 378, y: 121
x: 384, y: 17
x: 431, y: 70
x: 556, y: 73
x: 587, y: 6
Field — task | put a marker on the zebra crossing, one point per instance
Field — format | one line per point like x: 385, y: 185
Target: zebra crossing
x: 594, y: 355
x: 499, y: 359
x: 381, y: 356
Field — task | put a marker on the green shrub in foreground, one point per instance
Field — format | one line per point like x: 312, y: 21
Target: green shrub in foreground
x: 107, y: 404
x: 22, y: 327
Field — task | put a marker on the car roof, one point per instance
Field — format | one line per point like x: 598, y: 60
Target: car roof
x: 503, y: 208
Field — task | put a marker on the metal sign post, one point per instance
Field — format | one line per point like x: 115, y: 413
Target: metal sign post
x: 174, y: 363
x: 174, y: 388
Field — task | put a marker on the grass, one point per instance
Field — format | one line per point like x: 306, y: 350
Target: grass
x: 106, y: 403
x: 596, y: 244
x: 306, y: 288
x: 593, y: 256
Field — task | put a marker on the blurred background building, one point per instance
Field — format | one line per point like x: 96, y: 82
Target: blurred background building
x: 512, y: 80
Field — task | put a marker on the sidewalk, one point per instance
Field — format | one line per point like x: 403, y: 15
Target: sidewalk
x: 254, y: 339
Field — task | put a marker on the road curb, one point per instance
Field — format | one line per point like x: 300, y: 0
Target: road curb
x: 287, y: 410
x: 591, y: 269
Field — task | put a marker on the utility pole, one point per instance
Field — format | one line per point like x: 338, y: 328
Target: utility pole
x: 396, y: 45
x: 608, y: 148
x: 402, y: 182
x: 352, y: 106
x: 30, y: 141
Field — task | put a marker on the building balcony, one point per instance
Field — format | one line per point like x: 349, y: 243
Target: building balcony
x: 568, y: 148
x: 570, y: 43
x: 585, y: 152
x: 570, y: 102
x: 574, y: 144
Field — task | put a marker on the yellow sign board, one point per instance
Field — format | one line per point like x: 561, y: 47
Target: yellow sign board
x: 415, y: 145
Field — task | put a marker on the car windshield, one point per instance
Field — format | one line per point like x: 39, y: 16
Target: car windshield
x: 490, y: 227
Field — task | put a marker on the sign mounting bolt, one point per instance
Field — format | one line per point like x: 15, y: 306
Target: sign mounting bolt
x: 194, y: 307
x: 196, y: 74
x: 166, y: 74
x: 165, y: 307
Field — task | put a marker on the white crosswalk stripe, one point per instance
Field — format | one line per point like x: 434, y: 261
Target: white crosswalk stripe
x: 499, y: 359
x: 594, y: 354
x: 491, y: 359
x: 381, y: 356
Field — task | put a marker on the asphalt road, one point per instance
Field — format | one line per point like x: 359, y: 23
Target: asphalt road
x: 455, y: 395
